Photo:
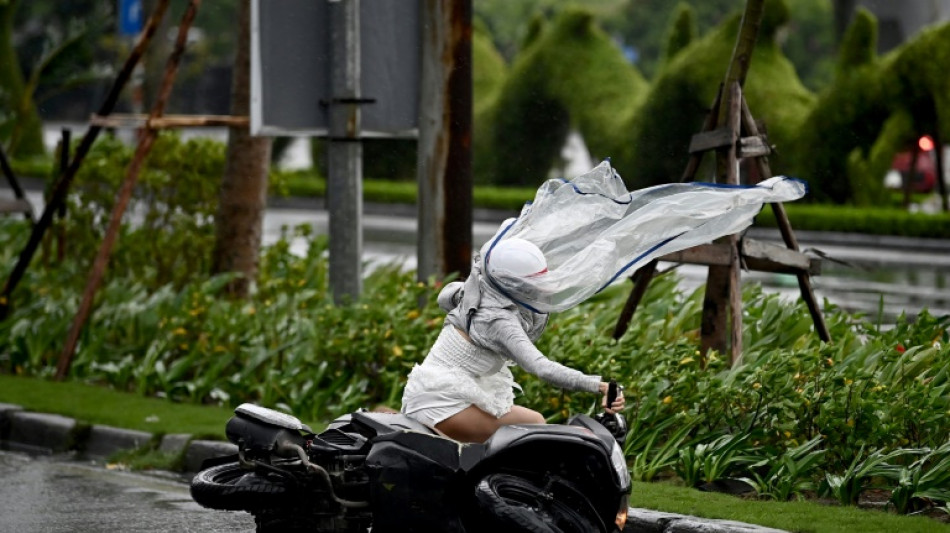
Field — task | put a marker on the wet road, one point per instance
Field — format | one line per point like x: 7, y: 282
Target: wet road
x: 53, y: 494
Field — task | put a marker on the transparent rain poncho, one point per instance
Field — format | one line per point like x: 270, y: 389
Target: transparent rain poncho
x: 593, y: 231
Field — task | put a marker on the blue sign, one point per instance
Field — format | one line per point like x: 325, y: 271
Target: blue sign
x: 131, y: 17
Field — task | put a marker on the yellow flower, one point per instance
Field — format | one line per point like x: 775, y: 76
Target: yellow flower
x: 848, y: 381
x: 180, y: 331
x: 412, y: 314
x: 756, y: 385
x: 850, y: 422
x: 686, y: 360
x: 668, y: 400
x: 397, y: 351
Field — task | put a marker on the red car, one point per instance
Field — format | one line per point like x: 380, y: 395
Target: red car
x: 924, y: 177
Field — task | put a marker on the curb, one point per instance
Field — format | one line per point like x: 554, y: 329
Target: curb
x: 649, y: 521
x: 46, y: 434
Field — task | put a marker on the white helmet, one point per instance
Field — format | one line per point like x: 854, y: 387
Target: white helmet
x: 516, y: 257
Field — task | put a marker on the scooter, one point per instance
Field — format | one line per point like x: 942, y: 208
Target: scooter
x: 386, y: 472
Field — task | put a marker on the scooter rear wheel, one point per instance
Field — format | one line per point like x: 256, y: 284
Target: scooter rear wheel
x: 514, y: 504
x: 230, y: 487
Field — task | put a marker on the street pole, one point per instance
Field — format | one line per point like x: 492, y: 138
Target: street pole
x: 345, y: 153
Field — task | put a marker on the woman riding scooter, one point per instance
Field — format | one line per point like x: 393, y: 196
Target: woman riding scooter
x: 463, y: 388
x: 575, y: 239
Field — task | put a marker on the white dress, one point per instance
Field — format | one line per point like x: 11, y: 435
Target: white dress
x: 455, y: 375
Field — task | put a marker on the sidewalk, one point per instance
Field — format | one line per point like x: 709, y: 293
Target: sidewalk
x: 40, y: 433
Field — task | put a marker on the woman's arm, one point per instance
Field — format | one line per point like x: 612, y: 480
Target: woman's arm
x: 507, y: 337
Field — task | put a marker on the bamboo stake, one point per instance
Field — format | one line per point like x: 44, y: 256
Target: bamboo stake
x: 61, y: 187
x: 146, y: 139
x: 168, y: 121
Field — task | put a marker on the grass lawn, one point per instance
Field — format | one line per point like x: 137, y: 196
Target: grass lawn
x: 97, y: 405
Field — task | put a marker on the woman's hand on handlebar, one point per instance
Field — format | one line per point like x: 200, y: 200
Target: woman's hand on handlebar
x: 618, y: 404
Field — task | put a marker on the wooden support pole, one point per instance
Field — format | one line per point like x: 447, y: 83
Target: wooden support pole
x: 722, y: 305
x: 146, y: 139
x: 696, y: 158
x: 785, y: 228
x: 168, y: 121
x: 61, y: 187
x: 21, y: 204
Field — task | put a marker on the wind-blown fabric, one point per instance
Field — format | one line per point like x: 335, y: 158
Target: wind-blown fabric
x: 593, y: 231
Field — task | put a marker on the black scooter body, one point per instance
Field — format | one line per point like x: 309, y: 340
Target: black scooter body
x: 396, y: 474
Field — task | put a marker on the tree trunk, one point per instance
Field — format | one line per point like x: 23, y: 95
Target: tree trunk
x: 25, y: 130
x: 243, y: 195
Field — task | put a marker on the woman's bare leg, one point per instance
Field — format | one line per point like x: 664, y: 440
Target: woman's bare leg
x: 474, y: 425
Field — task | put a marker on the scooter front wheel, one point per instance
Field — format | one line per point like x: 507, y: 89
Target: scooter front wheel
x: 514, y: 504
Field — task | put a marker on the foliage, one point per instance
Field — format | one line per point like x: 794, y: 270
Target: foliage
x: 712, y: 461
x: 681, y: 32
x: 874, y: 107
x: 679, y: 99
x: 924, y: 482
x: 642, y: 24
x: 572, y: 76
x: 19, y: 121
x: 865, y: 220
x: 787, y: 474
x: 174, y: 204
x: 847, y: 487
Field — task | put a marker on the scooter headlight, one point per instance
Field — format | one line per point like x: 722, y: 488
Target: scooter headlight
x: 620, y: 466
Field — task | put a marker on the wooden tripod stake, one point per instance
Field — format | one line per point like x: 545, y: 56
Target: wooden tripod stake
x: 738, y: 139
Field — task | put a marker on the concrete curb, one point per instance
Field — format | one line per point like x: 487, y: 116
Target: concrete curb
x: 649, y: 521
x: 41, y: 433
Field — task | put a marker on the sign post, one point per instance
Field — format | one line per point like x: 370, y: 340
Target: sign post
x: 342, y: 70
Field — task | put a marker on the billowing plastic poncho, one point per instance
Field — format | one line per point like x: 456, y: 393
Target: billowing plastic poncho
x: 593, y: 231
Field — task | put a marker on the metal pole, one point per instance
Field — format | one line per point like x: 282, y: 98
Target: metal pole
x: 445, y: 131
x: 345, y: 153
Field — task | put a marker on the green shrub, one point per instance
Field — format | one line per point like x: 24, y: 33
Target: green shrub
x: 654, y: 146
x: 571, y: 76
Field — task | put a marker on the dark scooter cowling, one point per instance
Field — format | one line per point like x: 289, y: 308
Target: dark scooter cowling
x: 389, y: 473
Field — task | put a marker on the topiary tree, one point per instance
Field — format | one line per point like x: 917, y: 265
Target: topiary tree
x: 681, y: 33
x: 571, y: 75
x: 875, y: 108
x: 657, y: 146
x: 489, y: 71
x: 846, y: 117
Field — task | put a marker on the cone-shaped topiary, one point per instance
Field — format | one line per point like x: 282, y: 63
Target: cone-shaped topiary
x: 571, y: 75
x: 876, y: 107
x: 657, y: 147
x: 681, y: 33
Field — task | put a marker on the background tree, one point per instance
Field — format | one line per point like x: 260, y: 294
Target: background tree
x: 20, y: 123
x: 244, y: 186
